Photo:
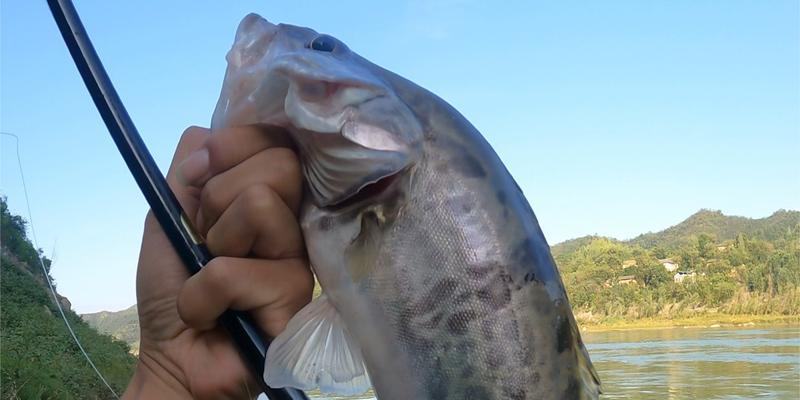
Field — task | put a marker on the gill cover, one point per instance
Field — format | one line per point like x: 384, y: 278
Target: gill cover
x: 350, y: 128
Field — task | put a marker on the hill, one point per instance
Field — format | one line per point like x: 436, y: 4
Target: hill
x: 710, y: 222
x: 721, y: 227
x: 708, y: 264
x: 38, y: 357
x: 122, y: 325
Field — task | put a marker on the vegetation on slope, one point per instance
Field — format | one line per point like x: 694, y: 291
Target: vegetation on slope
x: 38, y: 358
x: 122, y: 325
x: 728, y: 265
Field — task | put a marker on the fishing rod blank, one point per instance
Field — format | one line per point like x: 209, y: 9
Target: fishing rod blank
x: 187, y: 243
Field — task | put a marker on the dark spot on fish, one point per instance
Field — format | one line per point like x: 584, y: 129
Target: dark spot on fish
x: 325, y: 223
x: 536, y: 377
x: 564, y: 337
x: 423, y: 346
x: 495, y: 359
x: 573, y: 389
x: 465, y: 347
x: 458, y: 323
x: 462, y: 298
x: 469, y: 166
x: 523, y: 253
x: 434, y: 322
x: 487, y: 329
x: 477, y: 392
x: 468, y: 371
x: 514, y: 393
x: 438, y: 386
x: 437, y: 295
x: 480, y: 271
x: 530, y: 277
x: 501, y: 196
x: 496, y: 293
x: 404, y: 321
x: 466, y: 207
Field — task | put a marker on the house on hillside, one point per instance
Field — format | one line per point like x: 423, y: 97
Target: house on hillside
x: 682, y: 276
x: 626, y: 279
x: 628, y: 263
x: 668, y: 264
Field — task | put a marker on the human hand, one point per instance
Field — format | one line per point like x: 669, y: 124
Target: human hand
x: 242, y: 187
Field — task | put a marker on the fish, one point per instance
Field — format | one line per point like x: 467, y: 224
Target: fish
x: 437, y: 280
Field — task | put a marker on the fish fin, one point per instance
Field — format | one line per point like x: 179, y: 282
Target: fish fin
x: 316, y: 351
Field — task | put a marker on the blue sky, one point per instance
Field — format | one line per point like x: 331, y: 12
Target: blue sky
x: 616, y: 117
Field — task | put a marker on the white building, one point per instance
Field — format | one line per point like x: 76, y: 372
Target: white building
x: 680, y: 277
x: 668, y: 264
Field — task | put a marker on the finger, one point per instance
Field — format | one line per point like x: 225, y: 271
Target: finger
x: 229, y: 379
x: 188, y: 160
x: 230, y: 146
x: 154, y: 281
x: 258, y: 222
x: 277, y: 168
x: 273, y: 290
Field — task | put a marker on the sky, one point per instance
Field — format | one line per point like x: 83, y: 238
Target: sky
x: 615, y: 117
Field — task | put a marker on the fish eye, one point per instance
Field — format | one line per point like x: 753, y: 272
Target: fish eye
x: 323, y: 43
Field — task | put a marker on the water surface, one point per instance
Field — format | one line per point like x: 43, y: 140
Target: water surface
x: 698, y: 363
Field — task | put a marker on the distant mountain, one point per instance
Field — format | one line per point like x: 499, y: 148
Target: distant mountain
x: 38, y: 357
x: 122, y: 325
x: 571, y: 245
x: 711, y: 222
x: 721, y: 227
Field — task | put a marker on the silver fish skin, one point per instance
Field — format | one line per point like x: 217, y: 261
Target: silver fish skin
x: 418, y: 234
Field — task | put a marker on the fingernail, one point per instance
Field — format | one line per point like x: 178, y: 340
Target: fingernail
x: 193, y: 167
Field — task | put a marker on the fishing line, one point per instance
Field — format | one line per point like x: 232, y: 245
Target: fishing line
x: 44, y: 269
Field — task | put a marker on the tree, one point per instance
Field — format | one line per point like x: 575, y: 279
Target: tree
x: 650, y: 272
x: 705, y: 246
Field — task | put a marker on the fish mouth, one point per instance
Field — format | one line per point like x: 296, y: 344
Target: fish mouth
x: 368, y: 192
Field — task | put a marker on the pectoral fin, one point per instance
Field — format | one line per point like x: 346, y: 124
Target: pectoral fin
x: 316, y: 351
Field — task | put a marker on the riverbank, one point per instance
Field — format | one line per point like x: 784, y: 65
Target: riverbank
x: 697, y: 321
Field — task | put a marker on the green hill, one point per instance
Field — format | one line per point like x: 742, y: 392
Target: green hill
x: 122, y: 325
x: 38, y: 357
x: 721, y: 227
x: 709, y: 263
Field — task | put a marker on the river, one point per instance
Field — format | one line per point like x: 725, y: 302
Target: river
x: 698, y: 363
x: 695, y: 363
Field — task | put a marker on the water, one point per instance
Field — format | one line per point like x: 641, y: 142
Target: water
x: 704, y: 363
x: 695, y: 363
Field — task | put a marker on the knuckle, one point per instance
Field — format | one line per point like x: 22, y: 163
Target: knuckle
x: 210, y: 198
x: 193, y: 133
x: 215, y: 276
x: 259, y: 199
x: 215, y: 151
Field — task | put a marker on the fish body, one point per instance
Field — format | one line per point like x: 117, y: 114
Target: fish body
x: 428, y: 253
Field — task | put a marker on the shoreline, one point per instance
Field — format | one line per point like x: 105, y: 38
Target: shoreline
x: 697, y: 321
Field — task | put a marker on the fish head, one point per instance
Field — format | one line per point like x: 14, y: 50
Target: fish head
x: 350, y: 127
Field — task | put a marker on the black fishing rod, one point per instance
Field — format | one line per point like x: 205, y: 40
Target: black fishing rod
x: 187, y: 243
